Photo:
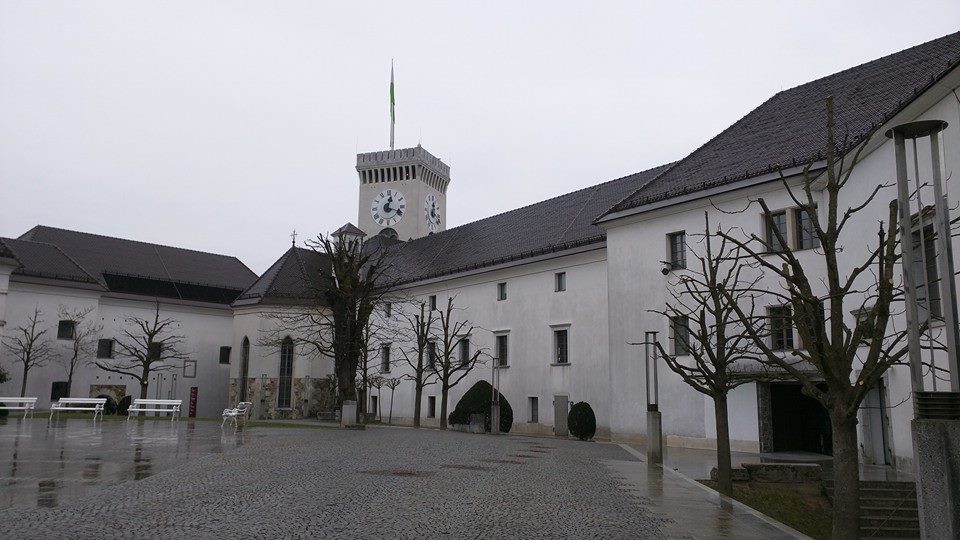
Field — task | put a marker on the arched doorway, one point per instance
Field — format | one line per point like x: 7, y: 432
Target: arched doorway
x: 244, y: 367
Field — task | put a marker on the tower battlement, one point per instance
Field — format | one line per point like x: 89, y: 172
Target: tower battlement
x: 403, y: 164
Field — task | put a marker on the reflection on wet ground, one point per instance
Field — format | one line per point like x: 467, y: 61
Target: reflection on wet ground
x: 44, y: 463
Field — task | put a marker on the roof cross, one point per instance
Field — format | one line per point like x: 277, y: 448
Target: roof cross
x: 293, y: 237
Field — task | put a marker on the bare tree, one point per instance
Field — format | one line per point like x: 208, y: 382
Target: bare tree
x: 452, y: 364
x: 837, y: 364
x: 392, y: 383
x: 715, y: 354
x: 83, y: 343
x: 31, y: 345
x: 420, y: 326
x: 333, y: 320
x: 378, y: 381
x: 147, y: 345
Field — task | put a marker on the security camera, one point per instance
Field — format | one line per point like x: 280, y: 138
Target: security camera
x: 666, y: 268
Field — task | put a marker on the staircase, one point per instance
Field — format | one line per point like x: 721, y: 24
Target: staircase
x: 888, y: 509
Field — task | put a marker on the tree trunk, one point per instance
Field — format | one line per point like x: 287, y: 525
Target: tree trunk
x: 143, y: 389
x: 23, y: 383
x: 416, y: 403
x: 390, y: 421
x: 70, y: 382
x: 846, y: 477
x: 724, y: 475
x: 443, y: 407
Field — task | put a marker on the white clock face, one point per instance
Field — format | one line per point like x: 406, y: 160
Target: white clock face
x: 431, y: 212
x: 388, y: 207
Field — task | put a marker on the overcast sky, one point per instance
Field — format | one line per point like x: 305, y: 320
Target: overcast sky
x: 223, y: 126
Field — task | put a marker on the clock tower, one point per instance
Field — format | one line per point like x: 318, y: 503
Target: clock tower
x: 403, y: 193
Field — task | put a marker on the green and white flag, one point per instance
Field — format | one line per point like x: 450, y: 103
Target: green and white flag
x: 393, y: 102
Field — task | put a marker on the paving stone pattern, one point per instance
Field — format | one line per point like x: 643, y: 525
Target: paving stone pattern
x: 378, y: 483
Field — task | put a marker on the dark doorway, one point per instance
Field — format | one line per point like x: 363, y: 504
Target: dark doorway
x: 800, y: 423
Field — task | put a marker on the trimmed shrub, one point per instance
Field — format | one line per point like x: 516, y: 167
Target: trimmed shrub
x: 581, y: 421
x: 477, y: 400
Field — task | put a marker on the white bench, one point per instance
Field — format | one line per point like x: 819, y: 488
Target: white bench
x: 26, y: 404
x: 171, y: 406
x: 94, y: 405
x: 242, y: 410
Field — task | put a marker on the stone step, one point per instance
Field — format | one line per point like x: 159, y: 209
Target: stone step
x: 884, y: 493
x: 883, y: 511
x: 889, y: 532
x: 889, y: 521
x: 908, y: 502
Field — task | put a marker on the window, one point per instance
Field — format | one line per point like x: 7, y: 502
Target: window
x: 501, y: 291
x: 560, y: 282
x: 224, y: 355
x: 432, y: 407
x: 678, y: 250
x: 464, y: 351
x: 776, y: 223
x: 66, y: 329
x: 433, y: 302
x: 385, y: 358
x: 432, y: 353
x: 534, y: 410
x: 925, y: 264
x: 806, y: 235
x: 680, y: 334
x: 286, y: 374
x: 502, y: 350
x: 105, y: 348
x: 866, y: 325
x: 781, y: 327
x: 244, y: 367
x: 388, y: 309
x: 560, y: 346
x: 154, y: 349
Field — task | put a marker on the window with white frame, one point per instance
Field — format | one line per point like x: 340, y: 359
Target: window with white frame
x: 677, y: 243
x: 805, y: 233
x: 777, y: 222
x: 560, y: 282
x: 680, y: 335
x: 501, y: 291
x: 433, y: 302
x: 503, y: 349
x: 560, y: 346
x: 781, y: 327
x: 534, y: 405
x: 385, y: 358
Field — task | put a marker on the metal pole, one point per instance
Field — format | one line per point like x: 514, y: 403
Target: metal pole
x: 948, y: 287
x: 906, y: 263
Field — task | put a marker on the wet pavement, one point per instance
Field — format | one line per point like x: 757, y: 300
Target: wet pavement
x: 77, y: 479
x: 43, y: 464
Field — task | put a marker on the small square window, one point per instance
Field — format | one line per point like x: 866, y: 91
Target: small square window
x: 501, y: 291
x: 385, y: 358
x: 678, y: 250
x: 224, y: 355
x: 502, y: 350
x: 560, y: 281
x: 560, y: 355
x: 534, y: 410
x: 433, y: 302
x: 680, y: 334
x: 776, y: 223
x: 432, y: 407
x: 105, y: 348
x: 66, y: 329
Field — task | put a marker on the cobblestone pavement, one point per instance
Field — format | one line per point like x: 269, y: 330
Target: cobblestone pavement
x: 378, y: 483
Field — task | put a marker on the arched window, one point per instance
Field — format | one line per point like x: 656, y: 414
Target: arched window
x: 244, y: 367
x: 285, y: 383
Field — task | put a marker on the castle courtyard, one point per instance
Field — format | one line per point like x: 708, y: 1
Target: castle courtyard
x: 118, y: 479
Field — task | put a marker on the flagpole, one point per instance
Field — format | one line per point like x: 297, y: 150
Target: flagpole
x: 392, y: 102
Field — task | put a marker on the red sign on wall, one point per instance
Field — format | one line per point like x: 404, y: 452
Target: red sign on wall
x: 193, y: 402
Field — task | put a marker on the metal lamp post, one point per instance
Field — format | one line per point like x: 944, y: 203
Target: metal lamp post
x: 936, y: 424
x: 654, y: 421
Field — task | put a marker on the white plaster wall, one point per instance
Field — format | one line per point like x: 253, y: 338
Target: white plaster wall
x: 205, y: 330
x: 530, y: 309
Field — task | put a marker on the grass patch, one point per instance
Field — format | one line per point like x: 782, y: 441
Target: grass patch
x: 810, y: 514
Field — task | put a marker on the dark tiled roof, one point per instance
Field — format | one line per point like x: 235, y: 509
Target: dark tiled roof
x: 295, y: 276
x: 103, y: 255
x: 555, y: 224
x: 43, y: 260
x: 790, y: 128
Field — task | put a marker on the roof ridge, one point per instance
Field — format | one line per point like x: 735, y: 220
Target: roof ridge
x: 279, y: 264
x: 154, y: 244
x: 862, y: 64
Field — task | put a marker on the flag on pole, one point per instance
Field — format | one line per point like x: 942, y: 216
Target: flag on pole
x: 393, y: 102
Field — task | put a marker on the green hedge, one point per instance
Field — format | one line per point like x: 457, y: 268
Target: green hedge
x: 581, y: 421
x: 477, y: 400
